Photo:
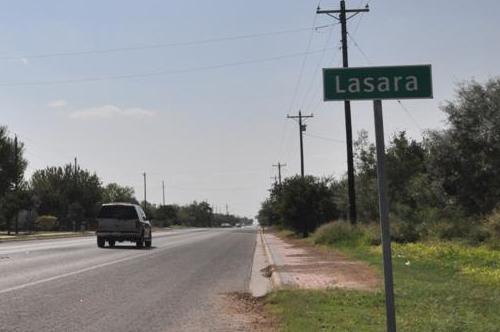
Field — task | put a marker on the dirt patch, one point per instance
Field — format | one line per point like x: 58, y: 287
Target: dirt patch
x: 304, y: 265
x: 248, y: 313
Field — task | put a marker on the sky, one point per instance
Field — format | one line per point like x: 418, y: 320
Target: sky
x: 196, y: 93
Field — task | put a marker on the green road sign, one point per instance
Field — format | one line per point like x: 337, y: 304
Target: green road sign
x: 396, y: 82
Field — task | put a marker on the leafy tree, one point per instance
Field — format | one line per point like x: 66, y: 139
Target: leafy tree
x: 268, y: 215
x: 465, y: 157
x: 69, y: 194
x: 113, y: 192
x: 366, y: 179
x: 167, y: 214
x: 12, y: 188
x: 200, y: 214
x: 12, y: 165
x: 304, y: 203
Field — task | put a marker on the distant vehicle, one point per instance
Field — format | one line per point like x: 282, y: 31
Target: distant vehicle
x: 225, y: 225
x: 118, y: 222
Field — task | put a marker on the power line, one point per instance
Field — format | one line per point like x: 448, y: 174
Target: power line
x: 316, y: 69
x: 409, y: 115
x: 359, y: 48
x: 159, y: 45
x: 159, y: 73
x: 325, y: 138
x: 316, y: 96
x: 405, y: 109
x: 304, y: 61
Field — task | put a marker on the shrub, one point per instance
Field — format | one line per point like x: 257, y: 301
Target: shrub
x: 344, y: 234
x: 46, y: 223
x: 492, y: 225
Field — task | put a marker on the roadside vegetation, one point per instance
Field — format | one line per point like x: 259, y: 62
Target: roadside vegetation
x: 439, y: 286
x: 68, y: 198
x: 445, y: 186
x: 444, y: 193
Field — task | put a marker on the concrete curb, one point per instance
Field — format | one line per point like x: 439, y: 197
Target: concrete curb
x: 276, y: 280
x: 259, y: 284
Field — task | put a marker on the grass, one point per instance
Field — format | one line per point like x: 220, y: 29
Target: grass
x: 439, y: 287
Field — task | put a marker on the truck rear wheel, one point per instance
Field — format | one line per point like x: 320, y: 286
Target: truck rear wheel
x: 148, y: 243
x: 111, y: 243
x: 140, y: 243
x: 101, y: 242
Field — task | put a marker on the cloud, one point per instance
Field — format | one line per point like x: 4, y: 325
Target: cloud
x: 110, y: 112
x: 58, y: 103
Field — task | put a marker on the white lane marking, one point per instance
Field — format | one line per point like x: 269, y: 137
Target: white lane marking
x: 68, y: 274
x: 31, y: 247
x: 91, y: 268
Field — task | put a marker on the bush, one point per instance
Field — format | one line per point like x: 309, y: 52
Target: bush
x: 46, y: 223
x: 492, y: 225
x: 343, y: 233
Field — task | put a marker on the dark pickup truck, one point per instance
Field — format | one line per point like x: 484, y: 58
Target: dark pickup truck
x: 118, y: 222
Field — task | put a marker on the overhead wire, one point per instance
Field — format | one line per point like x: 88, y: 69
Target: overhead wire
x: 157, y: 73
x: 156, y: 46
x: 325, y: 138
x: 299, y: 80
x: 368, y: 60
x: 316, y: 69
x: 302, y: 67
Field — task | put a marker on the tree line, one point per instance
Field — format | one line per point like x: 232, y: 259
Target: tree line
x: 445, y: 185
x: 69, y: 198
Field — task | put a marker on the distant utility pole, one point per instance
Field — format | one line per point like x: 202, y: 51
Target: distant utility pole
x: 145, y: 201
x: 75, y: 169
x: 302, y: 128
x: 163, y: 190
x: 16, y: 182
x: 342, y: 18
x: 227, y: 209
x: 279, y: 166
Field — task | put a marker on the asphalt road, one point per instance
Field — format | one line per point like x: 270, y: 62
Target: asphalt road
x: 177, y: 285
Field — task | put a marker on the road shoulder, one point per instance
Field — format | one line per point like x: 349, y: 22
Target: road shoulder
x: 298, y: 264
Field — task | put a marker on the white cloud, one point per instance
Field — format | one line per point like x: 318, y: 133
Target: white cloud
x: 111, y: 111
x: 58, y: 103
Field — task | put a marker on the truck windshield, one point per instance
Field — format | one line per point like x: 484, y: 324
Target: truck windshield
x: 118, y: 212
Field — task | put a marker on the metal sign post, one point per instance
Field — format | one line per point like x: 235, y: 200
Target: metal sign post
x: 384, y: 217
x: 377, y: 83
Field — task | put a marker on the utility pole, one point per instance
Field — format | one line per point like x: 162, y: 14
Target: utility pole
x: 302, y: 128
x: 145, y: 201
x: 16, y: 182
x: 163, y: 189
x: 227, y: 210
x: 275, y: 180
x: 75, y: 169
x: 342, y: 18
x: 279, y: 166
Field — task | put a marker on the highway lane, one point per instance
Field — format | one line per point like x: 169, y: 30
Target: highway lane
x: 71, y: 285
